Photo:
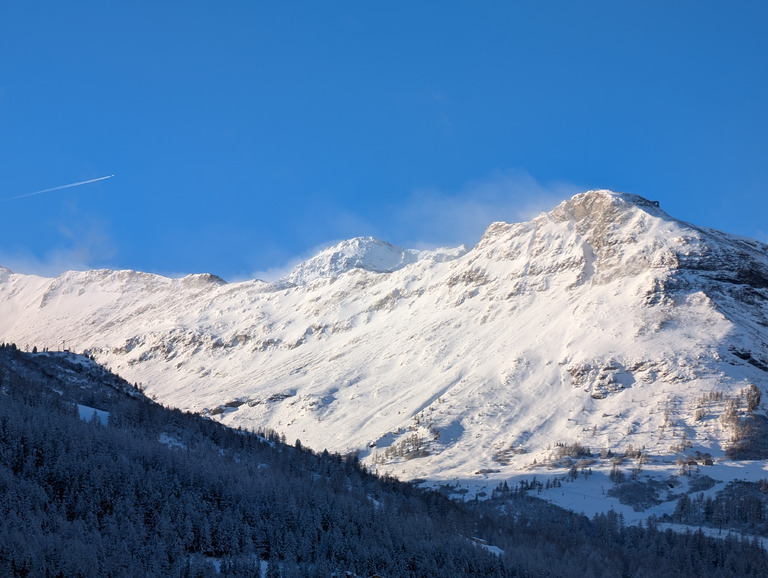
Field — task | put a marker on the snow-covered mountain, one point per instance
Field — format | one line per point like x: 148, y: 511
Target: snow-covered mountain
x: 365, y: 253
x: 604, y: 322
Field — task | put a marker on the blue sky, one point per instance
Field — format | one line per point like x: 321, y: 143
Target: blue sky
x: 245, y: 134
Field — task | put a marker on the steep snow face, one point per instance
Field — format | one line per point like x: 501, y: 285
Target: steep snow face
x: 604, y: 322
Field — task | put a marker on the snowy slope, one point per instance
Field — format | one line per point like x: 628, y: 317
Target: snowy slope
x: 602, y: 322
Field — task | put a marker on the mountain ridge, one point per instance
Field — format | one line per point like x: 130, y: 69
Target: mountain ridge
x: 602, y: 322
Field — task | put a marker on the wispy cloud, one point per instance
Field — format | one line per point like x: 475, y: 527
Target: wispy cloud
x: 52, y: 264
x: 278, y: 272
x: 432, y: 217
x: 275, y: 273
x: 84, y: 245
x: 428, y: 218
x: 761, y: 236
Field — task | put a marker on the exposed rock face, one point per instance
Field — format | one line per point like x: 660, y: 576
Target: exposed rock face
x: 604, y: 322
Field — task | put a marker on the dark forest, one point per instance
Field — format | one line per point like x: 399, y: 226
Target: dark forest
x: 160, y: 492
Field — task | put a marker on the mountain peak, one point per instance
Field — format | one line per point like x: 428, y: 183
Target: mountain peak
x: 202, y: 280
x: 367, y: 253
x: 590, y: 228
x: 614, y: 197
x: 599, y: 322
x: 599, y: 204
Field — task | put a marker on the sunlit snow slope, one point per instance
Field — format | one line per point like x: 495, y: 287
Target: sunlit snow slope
x: 605, y: 322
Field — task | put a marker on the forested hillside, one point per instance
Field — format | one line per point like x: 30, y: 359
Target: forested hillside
x: 139, y: 489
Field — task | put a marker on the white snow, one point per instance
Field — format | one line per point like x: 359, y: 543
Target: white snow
x: 604, y: 322
x: 89, y: 413
x: 365, y: 253
x: 171, y: 441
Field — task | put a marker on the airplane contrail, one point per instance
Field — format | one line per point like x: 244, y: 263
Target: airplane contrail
x: 57, y: 188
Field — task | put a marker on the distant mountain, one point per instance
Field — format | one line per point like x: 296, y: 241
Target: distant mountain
x: 604, y: 323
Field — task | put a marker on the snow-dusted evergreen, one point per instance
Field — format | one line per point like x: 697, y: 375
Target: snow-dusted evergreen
x: 159, y: 492
x: 604, y: 323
